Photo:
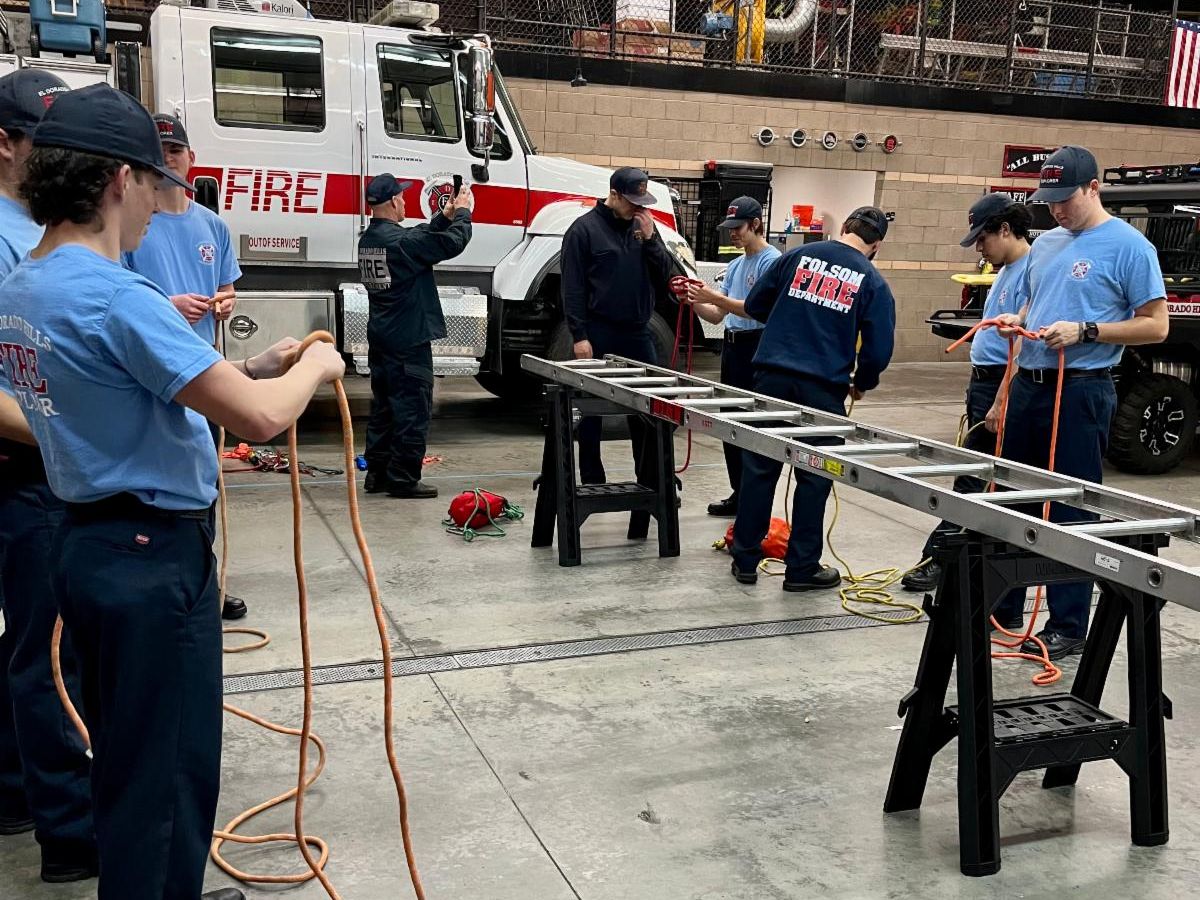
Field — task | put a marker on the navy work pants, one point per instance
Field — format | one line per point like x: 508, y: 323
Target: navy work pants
x: 737, y: 370
x: 50, y: 754
x: 981, y: 394
x: 1088, y: 404
x: 630, y: 341
x: 760, y: 475
x: 401, y: 407
x: 138, y: 591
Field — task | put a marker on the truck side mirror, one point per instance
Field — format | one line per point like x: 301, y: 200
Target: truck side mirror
x: 207, y: 193
x: 481, y: 99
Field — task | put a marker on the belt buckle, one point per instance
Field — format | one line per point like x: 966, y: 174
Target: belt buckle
x: 1039, y: 376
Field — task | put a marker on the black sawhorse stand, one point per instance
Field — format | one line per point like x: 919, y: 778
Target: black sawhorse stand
x: 561, y: 500
x: 1057, y: 732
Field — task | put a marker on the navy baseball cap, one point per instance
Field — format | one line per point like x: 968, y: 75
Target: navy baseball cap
x: 873, y: 216
x: 742, y: 210
x: 100, y: 119
x: 383, y: 188
x: 632, y: 183
x: 171, y: 130
x: 25, y: 95
x: 983, y: 211
x: 1066, y: 171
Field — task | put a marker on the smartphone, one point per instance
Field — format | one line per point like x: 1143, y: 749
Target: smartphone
x: 457, y: 184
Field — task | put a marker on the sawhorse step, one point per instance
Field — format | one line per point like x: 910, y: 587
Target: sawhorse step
x: 563, y: 503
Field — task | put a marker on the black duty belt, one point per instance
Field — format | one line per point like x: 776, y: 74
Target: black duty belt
x: 988, y: 373
x: 743, y: 335
x: 1050, y: 376
x: 128, y: 506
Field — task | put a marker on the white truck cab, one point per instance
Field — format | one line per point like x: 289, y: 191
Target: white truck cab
x: 289, y: 116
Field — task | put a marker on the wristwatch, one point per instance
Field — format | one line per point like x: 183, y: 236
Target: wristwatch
x: 1089, y: 332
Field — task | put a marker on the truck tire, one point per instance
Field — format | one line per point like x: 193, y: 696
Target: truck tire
x: 1154, y: 425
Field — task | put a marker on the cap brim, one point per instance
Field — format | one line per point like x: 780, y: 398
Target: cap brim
x: 646, y: 199
x: 1053, y: 195
x: 733, y: 222
x: 173, y: 178
x: 174, y: 140
x: 972, y: 237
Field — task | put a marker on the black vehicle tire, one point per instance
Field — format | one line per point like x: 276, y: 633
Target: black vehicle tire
x: 562, y: 346
x: 1154, y: 426
x: 35, y: 44
x: 513, y: 384
x: 99, y: 51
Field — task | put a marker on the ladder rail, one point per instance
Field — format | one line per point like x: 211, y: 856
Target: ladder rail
x: 1088, y: 552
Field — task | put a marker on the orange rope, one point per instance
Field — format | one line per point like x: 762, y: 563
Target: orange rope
x: 1050, y: 672
x: 303, y: 779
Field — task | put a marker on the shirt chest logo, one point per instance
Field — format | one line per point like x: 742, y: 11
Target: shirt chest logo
x: 1080, y: 269
x: 208, y: 253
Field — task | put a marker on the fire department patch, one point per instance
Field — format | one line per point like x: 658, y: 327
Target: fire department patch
x: 436, y: 195
x: 1080, y: 268
x: 208, y: 253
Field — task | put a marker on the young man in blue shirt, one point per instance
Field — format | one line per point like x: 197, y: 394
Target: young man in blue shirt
x: 44, y: 770
x: 819, y: 302
x: 187, y: 251
x: 742, y: 333
x: 116, y: 388
x: 1095, y: 286
x: 1000, y: 234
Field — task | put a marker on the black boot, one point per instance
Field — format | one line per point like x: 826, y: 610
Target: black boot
x: 375, y: 483
x: 234, y: 608
x: 924, y: 578
x: 724, y: 508
x: 418, y: 490
x: 65, y: 864
x: 824, y: 578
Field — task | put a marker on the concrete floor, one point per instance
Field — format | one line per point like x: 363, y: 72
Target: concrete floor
x: 751, y: 769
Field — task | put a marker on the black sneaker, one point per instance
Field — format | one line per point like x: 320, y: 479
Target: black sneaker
x: 63, y: 866
x: 417, y: 491
x: 1057, y: 645
x: 750, y: 577
x: 234, y: 608
x: 824, y: 578
x: 15, y: 824
x: 923, y: 579
x: 724, y: 508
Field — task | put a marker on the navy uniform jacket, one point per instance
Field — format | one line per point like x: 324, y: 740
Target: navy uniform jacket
x: 608, y: 274
x: 817, y: 301
x: 396, y: 266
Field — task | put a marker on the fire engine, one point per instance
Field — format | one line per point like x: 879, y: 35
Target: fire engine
x: 290, y: 115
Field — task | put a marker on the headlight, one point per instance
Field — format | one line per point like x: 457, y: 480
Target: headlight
x: 683, y: 255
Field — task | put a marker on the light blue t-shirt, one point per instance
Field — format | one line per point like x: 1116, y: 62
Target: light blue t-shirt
x: 740, y: 276
x: 1099, y: 275
x: 187, y: 253
x: 95, y: 355
x: 1007, y: 295
x: 18, y: 234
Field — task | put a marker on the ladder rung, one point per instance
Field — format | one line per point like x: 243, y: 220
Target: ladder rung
x: 878, y: 449
x: 1008, y: 498
x: 947, y: 469
x: 646, y: 381
x: 678, y: 391
x: 608, y: 373
x: 810, y: 430
x: 583, y: 363
x: 764, y: 415
x: 719, y: 402
x: 1133, y: 526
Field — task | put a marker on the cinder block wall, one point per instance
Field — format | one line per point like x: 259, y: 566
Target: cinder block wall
x: 947, y: 159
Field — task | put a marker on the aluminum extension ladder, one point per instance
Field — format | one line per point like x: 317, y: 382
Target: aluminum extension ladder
x: 902, y: 467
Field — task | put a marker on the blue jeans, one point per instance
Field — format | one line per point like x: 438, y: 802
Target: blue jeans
x: 760, y: 475
x: 1088, y: 404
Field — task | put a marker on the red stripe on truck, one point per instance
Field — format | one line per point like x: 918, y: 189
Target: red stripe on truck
x: 306, y: 192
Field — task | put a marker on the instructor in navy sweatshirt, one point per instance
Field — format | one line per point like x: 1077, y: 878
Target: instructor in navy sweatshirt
x: 818, y: 302
x: 614, y: 266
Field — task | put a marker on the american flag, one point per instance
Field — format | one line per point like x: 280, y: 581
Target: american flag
x: 1183, y: 77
